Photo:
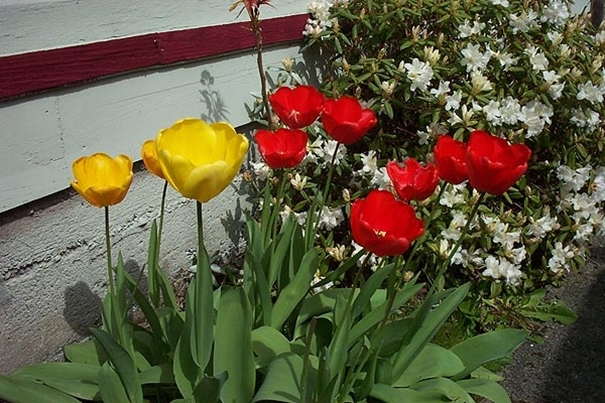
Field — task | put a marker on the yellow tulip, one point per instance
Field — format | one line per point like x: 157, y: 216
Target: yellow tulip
x: 199, y: 159
x: 102, y: 180
x: 150, y: 158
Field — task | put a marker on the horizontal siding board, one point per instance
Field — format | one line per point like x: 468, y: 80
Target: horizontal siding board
x: 41, y: 135
x: 38, y: 71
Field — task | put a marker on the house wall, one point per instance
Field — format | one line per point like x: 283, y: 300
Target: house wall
x: 52, y: 253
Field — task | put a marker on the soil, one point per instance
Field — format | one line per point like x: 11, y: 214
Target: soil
x: 570, y: 366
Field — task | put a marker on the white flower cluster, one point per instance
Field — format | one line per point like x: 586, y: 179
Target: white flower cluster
x: 377, y: 175
x: 581, y: 199
x: 322, y: 152
x: 320, y: 10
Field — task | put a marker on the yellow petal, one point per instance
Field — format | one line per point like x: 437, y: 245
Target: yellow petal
x: 207, y: 181
x: 150, y: 158
x: 176, y: 169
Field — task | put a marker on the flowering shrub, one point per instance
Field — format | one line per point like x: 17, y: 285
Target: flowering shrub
x: 528, y: 72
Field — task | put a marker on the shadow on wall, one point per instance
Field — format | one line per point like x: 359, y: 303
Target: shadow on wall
x: 83, y: 307
x: 577, y: 370
x: 216, y: 110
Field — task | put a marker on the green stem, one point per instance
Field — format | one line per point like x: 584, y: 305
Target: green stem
x: 421, y: 240
x: 310, y: 237
x: 276, y: 207
x: 200, y: 232
x: 307, y: 362
x: 108, y: 245
x: 446, y: 263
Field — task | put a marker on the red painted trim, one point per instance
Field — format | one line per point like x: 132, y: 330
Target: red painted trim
x: 38, y: 71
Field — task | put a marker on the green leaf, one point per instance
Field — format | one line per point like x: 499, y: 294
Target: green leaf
x: 282, y: 382
x: 370, y: 320
x: 433, y: 362
x: 78, y: 380
x: 487, y: 347
x: 201, y: 316
x: 268, y: 343
x: 369, y: 288
x: 112, y: 389
x: 209, y: 389
x: 123, y: 363
x: 86, y: 352
x: 152, y: 266
x: 233, y: 346
x: 427, y: 327
x: 485, y: 388
x: 556, y: 311
x: 186, y: 372
x: 26, y: 391
x: 389, y: 394
x: 449, y: 388
x: 294, y: 292
x: 157, y: 374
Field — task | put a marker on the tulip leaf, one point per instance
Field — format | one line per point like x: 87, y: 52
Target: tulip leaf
x: 268, y: 343
x: 485, y: 388
x: 186, y: 372
x: 487, y: 347
x: 282, y: 247
x: 152, y: 265
x: 124, y: 365
x: 389, y: 394
x: 369, y: 288
x: 78, y: 380
x: 157, y: 374
x: 426, y: 327
x: 209, y: 388
x: 449, y: 388
x: 432, y: 362
x: 27, y: 391
x: 260, y: 285
x: 295, y: 291
x: 86, y: 352
x: 282, y: 382
x: 202, y: 312
x: 233, y: 346
x: 371, y: 319
x: 112, y: 389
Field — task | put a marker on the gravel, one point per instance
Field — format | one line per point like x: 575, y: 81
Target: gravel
x: 570, y: 366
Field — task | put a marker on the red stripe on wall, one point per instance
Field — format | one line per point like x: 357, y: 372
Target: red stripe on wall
x: 42, y: 70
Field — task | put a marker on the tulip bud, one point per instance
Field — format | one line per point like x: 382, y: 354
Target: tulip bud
x: 440, y: 38
x: 415, y: 33
x: 288, y: 63
x: 346, y: 196
x: 431, y: 55
x: 345, y: 65
x: 381, y: 53
x: 408, y: 275
x: 337, y: 253
x: 387, y: 89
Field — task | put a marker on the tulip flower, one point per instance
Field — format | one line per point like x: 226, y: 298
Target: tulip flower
x: 413, y: 181
x: 493, y: 164
x: 199, y: 160
x: 345, y: 120
x: 283, y: 148
x: 101, y: 180
x: 150, y: 158
x: 384, y: 225
x: 297, y: 107
x: 450, y: 159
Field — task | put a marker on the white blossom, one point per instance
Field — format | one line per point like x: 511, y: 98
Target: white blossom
x: 452, y: 102
x: 590, y: 92
x: 419, y: 73
x: 473, y: 58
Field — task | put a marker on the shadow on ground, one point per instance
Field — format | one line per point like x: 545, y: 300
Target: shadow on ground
x: 570, y: 366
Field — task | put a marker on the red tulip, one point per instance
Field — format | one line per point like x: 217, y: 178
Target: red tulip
x: 413, y: 181
x: 494, y: 165
x: 297, y: 107
x: 384, y: 225
x: 450, y: 159
x: 283, y: 148
x: 345, y: 120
